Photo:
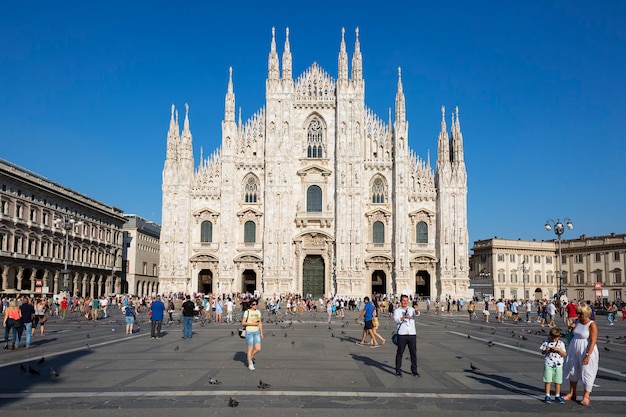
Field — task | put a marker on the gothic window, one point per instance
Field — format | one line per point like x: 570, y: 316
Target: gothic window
x: 314, y: 139
x: 378, y: 232
x: 378, y: 191
x: 314, y: 199
x: 206, y: 232
x: 422, y: 232
x: 249, y: 232
x: 251, y: 189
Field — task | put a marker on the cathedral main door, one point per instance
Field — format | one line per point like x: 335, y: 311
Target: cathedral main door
x: 205, y: 281
x: 313, y: 276
x: 248, y: 281
x: 422, y: 284
x: 379, y: 282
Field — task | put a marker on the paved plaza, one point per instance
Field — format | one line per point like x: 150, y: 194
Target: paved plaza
x: 312, y: 370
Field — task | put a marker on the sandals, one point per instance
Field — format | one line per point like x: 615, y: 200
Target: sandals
x: 585, y: 401
x: 569, y: 396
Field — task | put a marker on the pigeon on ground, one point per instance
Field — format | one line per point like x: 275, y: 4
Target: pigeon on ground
x: 263, y: 385
x: 285, y: 334
x: 474, y: 368
x: 88, y: 336
x: 469, y: 337
x: 233, y: 402
x: 232, y: 332
x: 490, y: 343
x: 40, y: 361
x: 53, y: 372
x: 213, y: 381
x: 293, y: 342
x: 177, y: 348
x: 607, y: 349
x: 32, y: 371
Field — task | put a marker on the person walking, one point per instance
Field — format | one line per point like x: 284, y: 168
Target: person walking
x: 229, y: 310
x: 367, y: 314
x: 28, y: 314
x: 157, y: 310
x: 64, y: 306
x: 404, y: 316
x: 129, y: 316
x: 41, y: 307
x: 486, y: 312
x: 581, y: 363
x: 188, y: 308
x: 254, y: 331
x: 12, y: 320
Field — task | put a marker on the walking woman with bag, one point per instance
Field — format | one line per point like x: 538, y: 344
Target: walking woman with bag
x: 12, y: 320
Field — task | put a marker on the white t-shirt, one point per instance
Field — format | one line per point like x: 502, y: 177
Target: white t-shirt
x: 553, y: 358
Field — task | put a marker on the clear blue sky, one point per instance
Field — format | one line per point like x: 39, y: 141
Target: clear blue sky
x: 86, y: 90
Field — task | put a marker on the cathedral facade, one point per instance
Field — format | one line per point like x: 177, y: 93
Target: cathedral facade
x: 314, y: 194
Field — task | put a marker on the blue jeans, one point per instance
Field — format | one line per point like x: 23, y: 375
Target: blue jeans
x: 27, y: 329
x: 187, y: 322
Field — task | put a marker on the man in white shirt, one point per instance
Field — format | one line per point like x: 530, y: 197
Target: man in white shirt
x: 500, y: 306
x: 404, y: 316
x: 229, y: 310
x: 550, y: 311
x: 104, y: 304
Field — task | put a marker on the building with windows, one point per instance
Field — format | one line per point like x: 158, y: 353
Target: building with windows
x: 140, y: 254
x: 515, y: 268
x: 592, y: 267
x: 53, y: 238
x: 314, y: 194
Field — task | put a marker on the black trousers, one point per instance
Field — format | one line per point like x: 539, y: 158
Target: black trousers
x: 403, y: 342
x: 155, y: 328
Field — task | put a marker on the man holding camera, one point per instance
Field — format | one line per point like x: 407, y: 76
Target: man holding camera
x: 404, y: 316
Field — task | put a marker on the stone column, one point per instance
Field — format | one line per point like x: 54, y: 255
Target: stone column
x: 33, y: 278
x: 19, y: 276
x: 55, y: 285
x: 83, y: 287
x: 118, y: 285
x: 5, y: 277
x: 92, y: 283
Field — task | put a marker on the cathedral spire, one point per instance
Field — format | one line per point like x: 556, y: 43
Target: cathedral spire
x: 173, y: 137
x: 443, y: 143
x: 400, y: 104
x: 457, y: 139
x: 287, y: 57
x: 357, y: 60
x: 229, y: 101
x: 343, y: 57
x: 186, y: 137
x: 272, y: 65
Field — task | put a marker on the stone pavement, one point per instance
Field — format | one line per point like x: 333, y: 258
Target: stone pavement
x: 312, y: 369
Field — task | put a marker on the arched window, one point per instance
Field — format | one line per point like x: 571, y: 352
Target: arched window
x: 314, y: 199
x: 421, y: 232
x: 314, y: 139
x: 249, y: 232
x: 206, y: 232
x: 378, y: 232
x: 378, y: 191
x: 251, y: 189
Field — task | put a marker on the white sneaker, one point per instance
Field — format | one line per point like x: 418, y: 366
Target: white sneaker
x: 251, y: 367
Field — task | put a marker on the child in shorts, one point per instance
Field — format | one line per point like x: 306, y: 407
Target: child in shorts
x: 553, y: 350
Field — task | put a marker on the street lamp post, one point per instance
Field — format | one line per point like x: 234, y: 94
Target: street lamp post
x: 524, y: 270
x: 559, y: 228
x: 67, y: 222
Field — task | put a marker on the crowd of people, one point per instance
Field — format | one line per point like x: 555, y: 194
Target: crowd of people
x: 574, y: 361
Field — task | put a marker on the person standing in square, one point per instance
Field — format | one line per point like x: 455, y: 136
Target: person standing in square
x: 404, y: 316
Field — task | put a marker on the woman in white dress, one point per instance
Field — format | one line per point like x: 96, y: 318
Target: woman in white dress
x: 581, y: 362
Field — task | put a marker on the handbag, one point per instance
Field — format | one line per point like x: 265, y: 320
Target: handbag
x: 394, y: 336
x: 242, y: 333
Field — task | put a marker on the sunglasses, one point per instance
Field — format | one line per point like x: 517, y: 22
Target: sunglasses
x: 253, y: 304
